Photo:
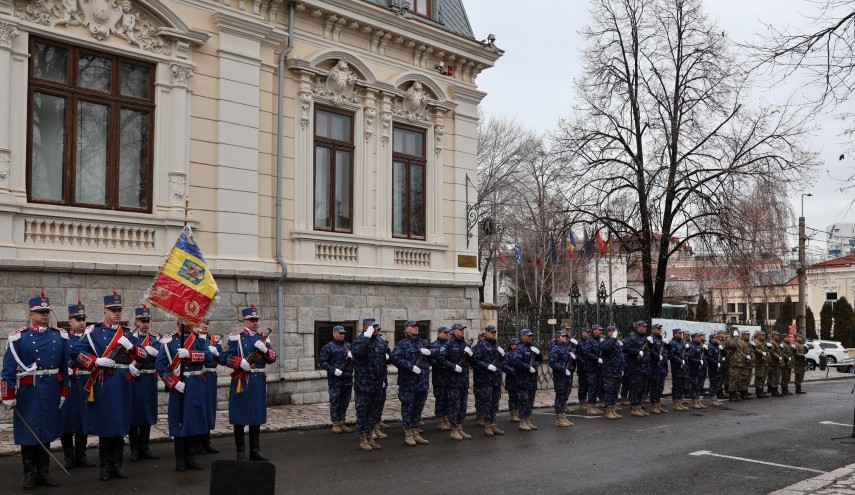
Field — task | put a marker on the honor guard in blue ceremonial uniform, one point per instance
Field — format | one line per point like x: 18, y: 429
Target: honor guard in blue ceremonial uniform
x: 595, y: 369
x: 636, y: 353
x: 524, y: 360
x: 511, y: 381
x: 487, y: 359
x: 582, y: 367
x: 612, y: 371
x: 34, y: 382
x: 715, y: 368
x: 458, y: 353
x: 679, y: 371
x: 188, y: 403
x: 369, y: 375
x: 658, y: 369
x: 697, y: 367
x: 215, y: 346
x: 562, y: 375
x: 248, y: 354
x: 412, y: 358
x: 337, y: 360
x: 71, y: 414
x: 107, y: 352
x: 439, y: 377
x: 144, y: 412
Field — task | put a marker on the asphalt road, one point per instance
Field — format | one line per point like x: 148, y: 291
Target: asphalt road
x: 657, y: 454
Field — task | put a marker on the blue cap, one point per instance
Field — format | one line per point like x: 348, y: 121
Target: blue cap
x: 368, y: 321
x: 526, y: 331
x: 77, y: 310
x: 677, y: 330
x: 249, y: 313
x: 490, y: 329
x: 561, y: 333
x: 339, y: 329
x: 411, y: 323
x: 563, y: 325
x: 513, y: 341
x: 586, y: 330
x: 641, y: 323
x: 40, y: 304
x: 113, y: 301
x: 611, y: 328
x: 656, y: 325
x: 443, y: 330
x: 143, y: 312
x: 596, y: 327
x: 458, y: 326
x: 697, y: 334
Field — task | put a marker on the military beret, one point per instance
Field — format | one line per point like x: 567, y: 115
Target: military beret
x: 411, y: 323
x: 458, y: 326
x: 526, y: 331
x: 491, y: 328
x: 443, y: 330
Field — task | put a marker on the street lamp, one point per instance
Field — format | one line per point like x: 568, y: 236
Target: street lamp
x: 602, y: 294
x: 803, y: 202
x: 800, y: 313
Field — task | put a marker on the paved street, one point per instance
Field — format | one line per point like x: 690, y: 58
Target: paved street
x: 693, y: 450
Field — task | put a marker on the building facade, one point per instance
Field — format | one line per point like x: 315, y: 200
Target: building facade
x: 339, y: 196
x: 840, y: 239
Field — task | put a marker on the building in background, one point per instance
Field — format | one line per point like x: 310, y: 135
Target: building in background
x: 840, y: 238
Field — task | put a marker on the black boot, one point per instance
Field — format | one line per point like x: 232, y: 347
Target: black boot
x: 180, y: 459
x: 30, y: 458
x: 205, y: 445
x: 80, y: 459
x: 775, y: 392
x: 134, y: 440
x: 145, y: 450
x: 104, y: 455
x: 744, y: 395
x: 43, y: 476
x: 68, y: 450
x: 240, y: 443
x: 721, y: 395
x: 785, y: 390
x: 734, y: 397
x: 799, y: 390
x: 118, y: 452
x: 761, y: 394
x: 255, y: 444
x: 191, y: 446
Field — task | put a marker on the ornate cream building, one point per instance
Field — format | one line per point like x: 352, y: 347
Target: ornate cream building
x: 325, y: 147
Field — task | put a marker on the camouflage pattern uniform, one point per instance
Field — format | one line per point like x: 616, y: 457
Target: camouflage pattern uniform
x: 776, y: 361
x: 636, y: 351
x: 799, y: 363
x: 761, y: 364
x: 714, y: 368
x: 487, y: 369
x: 679, y: 370
x: 613, y: 369
x: 786, y: 367
x: 439, y: 378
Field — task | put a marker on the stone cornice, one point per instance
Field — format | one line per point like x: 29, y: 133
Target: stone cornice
x: 243, y: 26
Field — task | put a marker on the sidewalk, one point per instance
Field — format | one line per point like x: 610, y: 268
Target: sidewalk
x: 312, y: 416
x: 836, y: 482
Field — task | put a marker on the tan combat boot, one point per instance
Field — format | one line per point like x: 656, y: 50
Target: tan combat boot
x: 592, y: 411
x: 569, y: 409
x: 374, y: 445
x: 378, y: 433
x: 336, y: 427
x: 701, y: 403
x: 530, y: 424
x: 715, y: 402
x: 616, y: 412
x: 363, y: 442
x: 624, y: 401
x: 444, y: 424
x: 662, y: 409
x: 645, y: 399
x: 462, y: 433
x: 488, y: 429
x: 559, y: 422
x: 524, y: 424
x: 583, y: 405
x: 636, y: 411
x: 654, y: 408
x: 383, y: 425
x: 419, y: 438
x: 496, y: 429
x: 515, y: 416
x: 480, y: 420
x: 455, y: 433
x: 344, y: 427
x: 408, y: 437
x: 610, y: 413
x: 695, y: 404
x: 564, y: 417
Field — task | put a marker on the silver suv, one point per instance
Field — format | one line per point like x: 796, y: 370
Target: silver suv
x: 834, y: 350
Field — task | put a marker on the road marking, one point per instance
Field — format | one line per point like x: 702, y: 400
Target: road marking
x: 833, y: 423
x: 707, y: 452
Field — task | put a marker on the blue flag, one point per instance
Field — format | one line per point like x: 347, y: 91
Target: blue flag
x: 553, y: 256
x: 517, y: 252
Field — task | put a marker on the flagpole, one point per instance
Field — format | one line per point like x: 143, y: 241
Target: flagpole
x: 553, y: 291
x: 597, y: 285
x: 536, y: 257
x: 611, y: 299
x: 181, y: 339
x: 516, y: 285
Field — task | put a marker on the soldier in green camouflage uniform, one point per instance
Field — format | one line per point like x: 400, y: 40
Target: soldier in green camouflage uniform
x: 748, y: 365
x: 761, y: 364
x: 737, y: 360
x: 776, y: 360
x: 799, y: 361
x: 786, y: 366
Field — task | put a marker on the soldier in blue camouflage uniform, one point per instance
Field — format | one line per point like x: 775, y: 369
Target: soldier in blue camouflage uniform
x: 679, y: 369
x: 71, y: 414
x: 439, y: 377
x: 595, y: 369
x: 458, y: 354
x: 34, y: 381
x: 412, y: 358
x: 658, y: 370
x: 636, y: 352
x: 612, y: 371
x: 487, y: 360
x: 377, y: 419
x: 714, y: 368
x: 582, y: 368
x: 560, y: 362
x: 511, y: 382
x: 524, y: 360
x: 336, y: 359
x: 696, y: 369
x: 369, y: 375
x: 144, y: 413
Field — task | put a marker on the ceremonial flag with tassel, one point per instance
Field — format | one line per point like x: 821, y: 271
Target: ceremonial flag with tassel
x: 601, y: 245
x: 571, y: 245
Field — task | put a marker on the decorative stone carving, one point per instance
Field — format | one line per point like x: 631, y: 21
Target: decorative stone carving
x: 305, y: 103
x: 180, y: 75
x: 386, y: 118
x: 102, y: 17
x: 438, y: 132
x: 339, y: 84
x: 177, y: 186
x: 414, y: 103
x: 8, y: 33
x: 4, y: 168
x: 370, y: 115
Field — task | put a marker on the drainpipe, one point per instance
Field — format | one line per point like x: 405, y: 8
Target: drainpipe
x: 280, y: 289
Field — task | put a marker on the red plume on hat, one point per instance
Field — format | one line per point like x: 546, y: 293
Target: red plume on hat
x: 143, y: 306
x: 43, y: 295
x: 251, y: 306
x: 79, y: 305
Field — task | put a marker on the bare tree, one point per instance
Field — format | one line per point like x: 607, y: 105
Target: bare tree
x: 663, y: 141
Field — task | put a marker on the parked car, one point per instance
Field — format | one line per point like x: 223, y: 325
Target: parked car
x: 834, y: 350
x: 846, y: 365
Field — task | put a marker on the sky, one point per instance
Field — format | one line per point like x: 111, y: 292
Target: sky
x: 543, y: 53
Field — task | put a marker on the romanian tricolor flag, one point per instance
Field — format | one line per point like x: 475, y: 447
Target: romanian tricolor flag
x: 184, y: 287
x: 571, y: 245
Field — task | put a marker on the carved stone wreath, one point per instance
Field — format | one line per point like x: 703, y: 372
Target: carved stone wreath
x: 414, y: 103
x: 339, y: 85
x: 102, y: 17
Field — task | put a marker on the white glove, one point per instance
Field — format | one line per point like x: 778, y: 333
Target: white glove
x: 369, y: 331
x: 10, y: 403
x: 600, y: 360
x: 617, y: 335
x: 261, y: 346
x: 61, y: 401
x: 125, y: 343
x: 781, y: 359
x: 720, y: 347
x: 769, y: 345
x: 764, y: 354
x: 151, y: 351
x: 666, y: 341
x: 572, y: 355
x: 650, y: 338
x: 349, y: 355
x: 244, y: 365
x: 69, y: 372
x: 467, y: 350
x: 705, y: 347
x: 702, y: 362
x: 719, y: 365
x: 134, y: 371
x: 753, y: 344
x: 531, y: 370
x: 620, y: 343
x: 183, y: 353
x: 682, y: 362
x: 641, y: 354
x: 179, y: 387
x: 602, y: 339
x: 748, y: 358
x: 105, y: 362
x: 501, y: 351
x: 417, y: 370
x: 568, y: 373
x: 574, y: 341
x: 458, y: 369
x: 337, y: 372
x: 535, y: 350
x: 491, y: 367
x: 213, y: 350
x: 425, y: 351
x: 723, y: 359
x: 735, y: 333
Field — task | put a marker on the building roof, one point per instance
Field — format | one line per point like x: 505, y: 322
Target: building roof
x: 841, y: 262
x: 450, y: 16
